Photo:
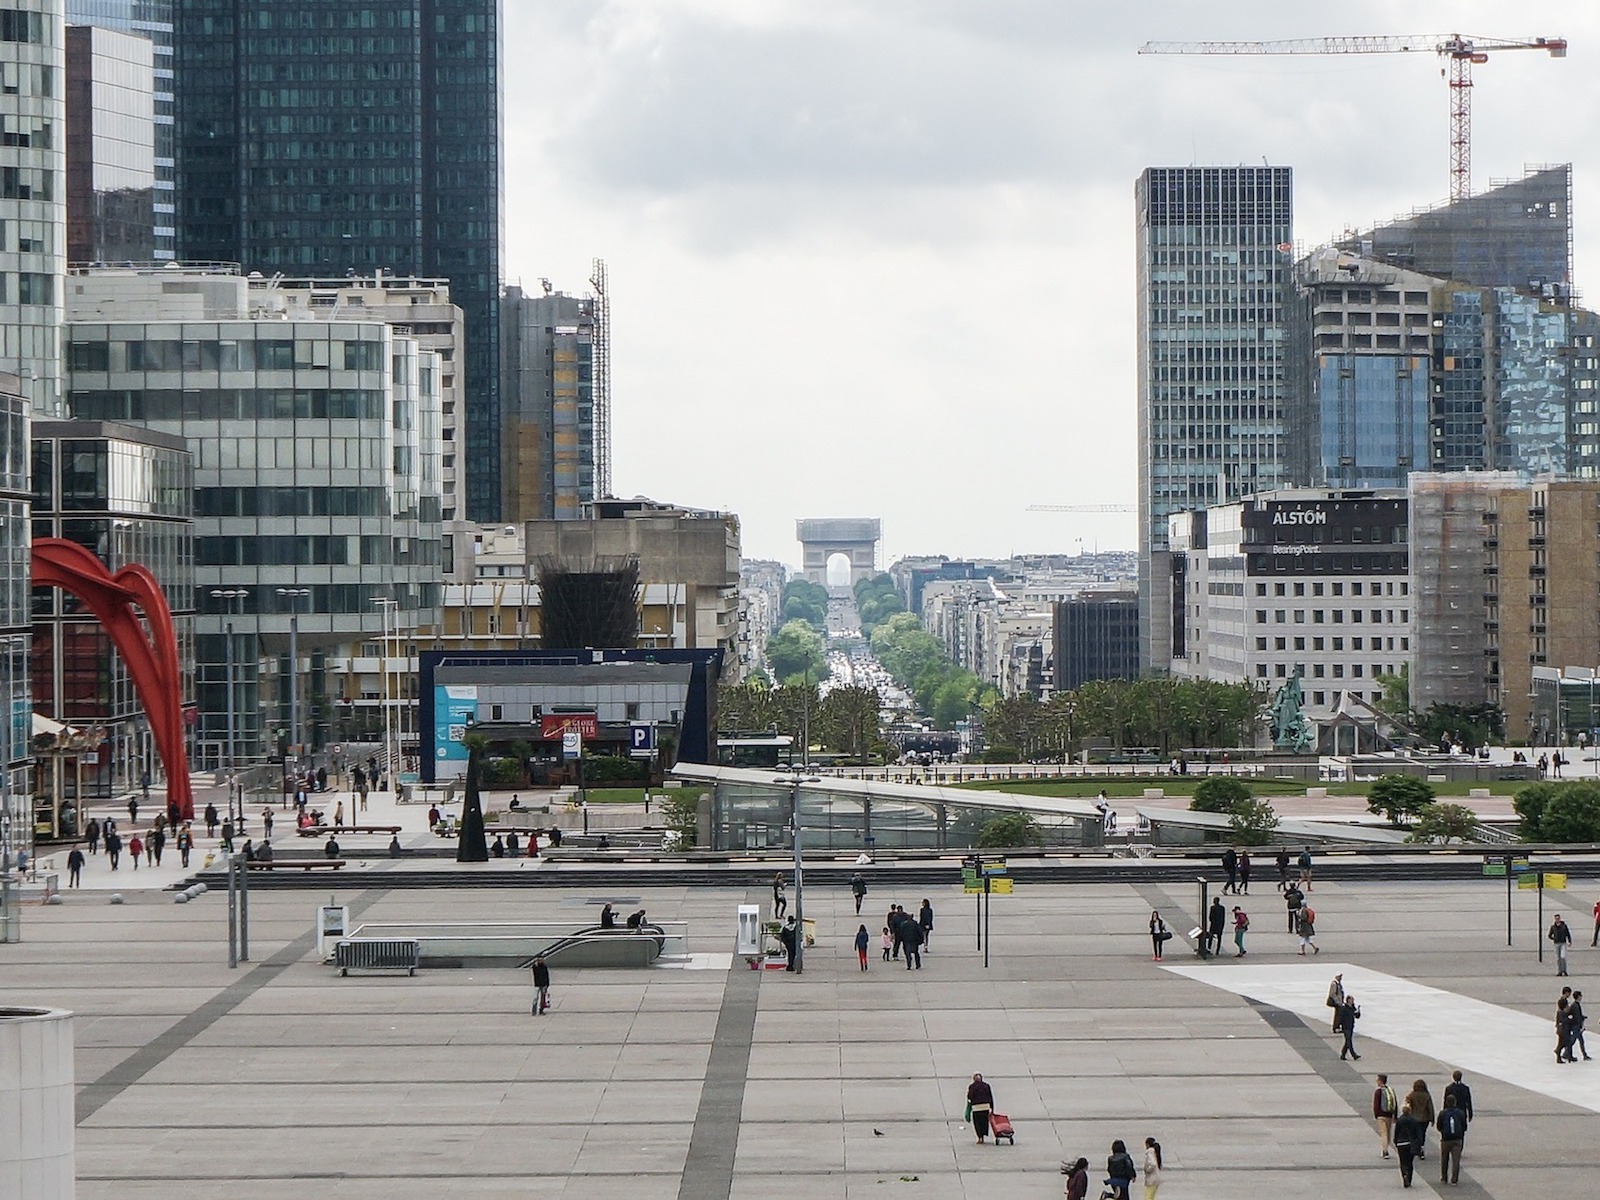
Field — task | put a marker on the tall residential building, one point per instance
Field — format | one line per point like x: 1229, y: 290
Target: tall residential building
x: 317, y: 137
x: 151, y: 20
x: 315, y: 509
x: 1215, y: 293
x: 111, y: 166
x: 547, y: 389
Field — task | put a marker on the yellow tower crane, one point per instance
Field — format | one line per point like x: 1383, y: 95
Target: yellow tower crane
x: 1462, y: 50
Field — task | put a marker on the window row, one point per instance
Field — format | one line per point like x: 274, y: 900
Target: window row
x: 228, y: 404
x: 1336, y: 588
x: 1319, y: 616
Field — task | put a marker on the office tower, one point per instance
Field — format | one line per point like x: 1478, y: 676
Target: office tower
x: 319, y: 137
x: 1096, y: 637
x: 127, y: 495
x: 315, y: 505
x: 547, y: 390
x: 1214, y: 247
x: 1448, y: 341
x: 111, y: 170
x: 1298, y: 581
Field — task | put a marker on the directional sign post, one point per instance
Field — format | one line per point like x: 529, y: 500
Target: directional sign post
x: 1496, y: 866
x: 981, y: 877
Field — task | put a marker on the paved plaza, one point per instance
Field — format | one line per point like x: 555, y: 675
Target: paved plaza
x: 281, y: 1080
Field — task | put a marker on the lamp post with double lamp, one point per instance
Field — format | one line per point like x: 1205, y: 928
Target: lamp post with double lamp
x: 230, y: 595
x: 793, y: 783
x: 293, y: 596
x: 387, y: 605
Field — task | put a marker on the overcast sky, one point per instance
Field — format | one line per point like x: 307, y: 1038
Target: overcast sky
x: 876, y: 257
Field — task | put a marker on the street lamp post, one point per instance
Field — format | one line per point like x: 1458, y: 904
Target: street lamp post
x: 386, y: 605
x: 293, y: 595
x: 231, y: 595
x: 794, y: 783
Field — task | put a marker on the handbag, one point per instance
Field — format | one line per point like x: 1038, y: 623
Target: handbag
x: 968, y: 1116
x: 1165, y: 934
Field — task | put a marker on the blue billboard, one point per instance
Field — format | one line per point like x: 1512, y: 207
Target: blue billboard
x: 455, y: 709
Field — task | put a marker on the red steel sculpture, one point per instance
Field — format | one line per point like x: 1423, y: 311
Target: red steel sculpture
x: 116, y: 598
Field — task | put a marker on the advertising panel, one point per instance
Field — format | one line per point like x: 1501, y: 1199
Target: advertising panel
x: 455, y: 708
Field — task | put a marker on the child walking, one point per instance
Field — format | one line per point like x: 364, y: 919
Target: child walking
x: 863, y: 940
x: 888, y: 943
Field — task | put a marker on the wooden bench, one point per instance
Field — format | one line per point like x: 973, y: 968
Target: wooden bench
x: 295, y: 864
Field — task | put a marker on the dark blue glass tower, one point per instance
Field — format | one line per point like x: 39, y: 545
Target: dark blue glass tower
x: 317, y: 137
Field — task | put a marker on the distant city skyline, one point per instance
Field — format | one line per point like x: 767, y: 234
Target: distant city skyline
x: 918, y: 287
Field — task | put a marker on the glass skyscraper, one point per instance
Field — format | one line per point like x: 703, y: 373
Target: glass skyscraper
x: 151, y: 19
x: 318, y: 137
x: 1214, y: 246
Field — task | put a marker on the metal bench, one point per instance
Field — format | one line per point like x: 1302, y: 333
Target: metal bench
x: 378, y: 954
x: 301, y: 864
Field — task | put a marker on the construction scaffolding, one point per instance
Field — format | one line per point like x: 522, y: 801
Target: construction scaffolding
x: 602, y: 380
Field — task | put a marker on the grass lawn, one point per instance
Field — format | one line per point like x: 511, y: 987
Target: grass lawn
x: 1181, y: 785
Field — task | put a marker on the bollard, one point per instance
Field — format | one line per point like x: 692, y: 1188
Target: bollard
x: 56, y: 898
x: 114, y: 898
x: 199, y: 889
x: 181, y: 898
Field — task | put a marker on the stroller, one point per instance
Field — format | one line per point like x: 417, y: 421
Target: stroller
x: 1000, y: 1127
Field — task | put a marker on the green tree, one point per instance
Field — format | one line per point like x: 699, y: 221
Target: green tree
x: 876, y: 600
x: 1218, y: 794
x: 1472, y: 725
x: 1013, y: 829
x: 1573, y: 814
x: 797, y: 651
x: 1252, y: 821
x: 806, y: 601
x: 1442, y: 822
x: 1399, y: 797
x: 1396, y: 698
x: 680, y: 814
x: 1530, y: 804
x: 847, y: 722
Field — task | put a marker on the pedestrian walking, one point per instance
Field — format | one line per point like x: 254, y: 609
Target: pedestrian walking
x: 541, y: 986
x: 1452, y: 1127
x: 227, y: 837
x: 75, y: 868
x: 925, y: 921
x: 1385, y: 1107
x: 338, y: 812
x: 1420, y: 1101
x: 158, y: 842
x: 1241, y: 926
x: 266, y: 820
x: 888, y: 942
x: 1305, y: 870
x: 1564, y: 1028
x: 1349, y: 1014
x: 133, y: 810
x: 211, y: 820
x: 1561, y: 934
x: 863, y: 942
x: 149, y: 848
x: 780, y: 901
x: 1576, y: 1021
x: 1216, y: 923
x: 1077, y: 1185
x: 1336, y: 998
x: 980, y: 1103
x: 1230, y: 867
x: 858, y: 888
x: 113, y: 847
x: 789, y: 936
x: 1282, y: 862
x: 911, y: 942
x: 1152, y: 1168
x: 1159, y: 933
x: 135, y: 848
x: 1120, y: 1171
x: 1408, y: 1134
x: 1306, y: 927
x: 1293, y: 898
x: 1595, y: 941
x: 1244, y: 871
x: 92, y: 832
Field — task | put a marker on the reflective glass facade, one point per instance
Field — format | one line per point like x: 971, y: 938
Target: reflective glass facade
x: 110, y: 146
x: 127, y: 494
x: 317, y: 137
x: 1374, y: 418
x: 1214, y: 308
x: 15, y: 694
x: 33, y: 184
x: 309, y: 473
x: 150, y: 19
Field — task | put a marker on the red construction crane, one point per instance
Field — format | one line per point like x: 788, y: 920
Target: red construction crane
x: 1461, y: 49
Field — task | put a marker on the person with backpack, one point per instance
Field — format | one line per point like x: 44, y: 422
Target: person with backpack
x: 541, y: 986
x: 1452, y: 1127
x: 1305, y: 869
x: 1306, y: 927
x: 1385, y: 1107
x: 1241, y: 925
x: 1230, y: 867
x: 1293, y: 898
x: 1408, y: 1135
x: 1120, y: 1171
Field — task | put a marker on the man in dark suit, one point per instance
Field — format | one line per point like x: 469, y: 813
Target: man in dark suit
x: 1459, y: 1094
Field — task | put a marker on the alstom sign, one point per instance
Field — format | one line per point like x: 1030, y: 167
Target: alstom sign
x: 1300, y: 516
